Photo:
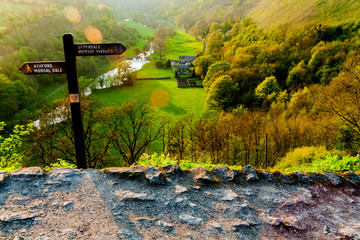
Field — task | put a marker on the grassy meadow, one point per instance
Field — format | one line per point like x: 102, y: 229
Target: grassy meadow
x: 163, y: 94
x: 145, y: 32
x: 181, y: 44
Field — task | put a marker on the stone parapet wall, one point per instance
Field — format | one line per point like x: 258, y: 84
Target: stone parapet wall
x: 145, y: 202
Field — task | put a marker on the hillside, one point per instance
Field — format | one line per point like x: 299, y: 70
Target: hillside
x: 146, y: 203
x: 271, y: 13
x: 268, y: 14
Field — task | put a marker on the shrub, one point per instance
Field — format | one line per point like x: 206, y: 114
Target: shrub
x: 159, y: 64
x: 303, y: 156
x: 334, y: 163
x: 11, y: 156
x: 60, y: 164
x: 317, y: 159
x: 162, y: 160
x: 155, y: 159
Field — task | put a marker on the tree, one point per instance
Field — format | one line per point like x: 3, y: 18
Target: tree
x: 202, y: 64
x: 9, y: 104
x: 341, y: 97
x: 282, y: 31
x: 201, y: 28
x: 86, y: 84
x: 159, y: 64
x: 298, y: 76
x: 268, y: 89
x: 222, y: 93
x: 159, y: 40
x: 164, y: 33
x: 168, y: 64
x: 134, y: 128
x: 137, y: 51
x: 101, y: 81
x: 215, y: 70
x: 159, y: 46
x: 126, y: 75
x: 53, y: 138
x: 11, y: 155
x: 179, y: 137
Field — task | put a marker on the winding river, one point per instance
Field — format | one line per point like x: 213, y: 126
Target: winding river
x: 136, y: 64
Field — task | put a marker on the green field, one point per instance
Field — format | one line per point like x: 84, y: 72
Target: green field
x: 182, y: 44
x: 145, y: 32
x: 169, y: 99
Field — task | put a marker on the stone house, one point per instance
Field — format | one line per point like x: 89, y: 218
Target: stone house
x: 181, y: 69
x: 186, y: 59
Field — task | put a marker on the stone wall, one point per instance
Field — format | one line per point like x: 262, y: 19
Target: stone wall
x: 170, y: 203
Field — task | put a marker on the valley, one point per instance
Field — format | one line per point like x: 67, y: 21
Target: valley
x: 275, y: 78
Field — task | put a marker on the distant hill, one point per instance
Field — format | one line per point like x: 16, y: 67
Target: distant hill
x: 267, y: 13
x: 271, y: 13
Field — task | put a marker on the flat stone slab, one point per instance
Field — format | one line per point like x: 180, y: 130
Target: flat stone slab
x: 185, y: 218
x: 27, y: 173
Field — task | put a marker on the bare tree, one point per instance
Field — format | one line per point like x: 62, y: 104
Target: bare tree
x: 54, y: 139
x: 159, y: 46
x: 134, y: 128
x: 341, y: 98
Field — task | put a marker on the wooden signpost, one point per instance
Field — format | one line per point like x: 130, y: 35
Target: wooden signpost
x: 68, y: 66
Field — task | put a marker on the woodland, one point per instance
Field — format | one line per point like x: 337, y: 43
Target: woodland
x: 280, y: 95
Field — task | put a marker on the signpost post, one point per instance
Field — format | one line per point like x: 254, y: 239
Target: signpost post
x: 68, y: 66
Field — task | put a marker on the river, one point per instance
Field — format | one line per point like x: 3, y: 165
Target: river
x: 136, y: 64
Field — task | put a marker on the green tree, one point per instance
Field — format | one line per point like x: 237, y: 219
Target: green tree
x: 11, y: 155
x: 222, y: 93
x: 179, y: 141
x: 202, y: 64
x: 9, y: 104
x: 298, y: 76
x: 268, y: 89
x: 215, y: 70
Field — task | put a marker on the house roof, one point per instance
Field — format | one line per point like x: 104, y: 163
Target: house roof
x: 181, y: 66
x: 187, y: 57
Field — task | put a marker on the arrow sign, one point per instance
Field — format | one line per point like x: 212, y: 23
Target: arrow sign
x: 43, y: 67
x: 99, y: 49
